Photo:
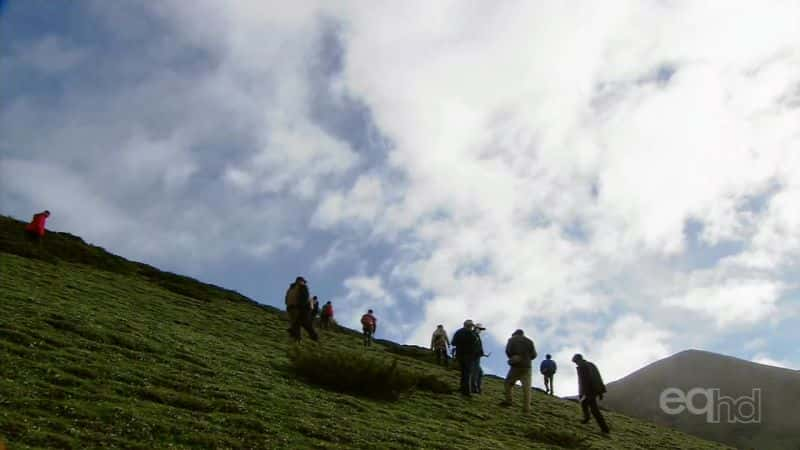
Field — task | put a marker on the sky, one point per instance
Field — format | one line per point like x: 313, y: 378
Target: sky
x: 619, y: 179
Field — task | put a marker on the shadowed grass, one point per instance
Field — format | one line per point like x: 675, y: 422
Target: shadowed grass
x: 353, y: 371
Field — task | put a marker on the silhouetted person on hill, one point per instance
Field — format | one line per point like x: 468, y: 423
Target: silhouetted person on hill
x: 548, y: 369
x: 520, y: 351
x: 369, y: 324
x: 590, y: 388
x: 314, y: 307
x: 298, y: 308
x: 476, y: 380
x: 326, y: 315
x: 35, y: 230
x: 440, y: 344
x: 466, y: 344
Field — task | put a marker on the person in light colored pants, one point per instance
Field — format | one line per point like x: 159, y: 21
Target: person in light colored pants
x: 520, y: 351
x: 523, y: 375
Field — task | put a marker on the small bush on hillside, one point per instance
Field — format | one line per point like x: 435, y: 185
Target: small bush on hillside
x: 359, y: 373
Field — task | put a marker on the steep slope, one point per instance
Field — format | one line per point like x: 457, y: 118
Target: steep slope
x: 106, y: 354
x: 777, y: 419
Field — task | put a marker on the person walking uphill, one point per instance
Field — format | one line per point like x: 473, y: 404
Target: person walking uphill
x: 590, y: 387
x: 35, y: 229
x: 440, y: 344
x: 520, y: 351
x: 465, y: 342
x: 298, y: 308
x: 548, y: 369
x: 314, y: 307
x: 326, y: 316
x: 369, y: 325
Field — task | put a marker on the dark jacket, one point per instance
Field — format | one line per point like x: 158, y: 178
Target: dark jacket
x: 302, y: 297
x: 479, y: 345
x: 520, y: 351
x: 315, y: 309
x: 466, y: 342
x: 590, y: 383
x: 548, y: 367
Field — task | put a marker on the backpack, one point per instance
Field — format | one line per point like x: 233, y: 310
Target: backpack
x: 367, y: 320
x: 326, y: 310
x: 292, y: 295
x: 466, y: 342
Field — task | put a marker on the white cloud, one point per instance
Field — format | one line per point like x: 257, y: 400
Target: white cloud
x: 732, y: 302
x: 508, y: 143
x: 365, y: 292
x: 368, y: 290
x: 361, y: 203
x: 296, y: 158
x: 51, y: 54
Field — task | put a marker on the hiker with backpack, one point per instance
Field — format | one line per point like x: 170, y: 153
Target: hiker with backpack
x: 298, y: 308
x: 326, y: 315
x: 369, y: 325
x: 590, y: 388
x: 314, y: 307
x: 440, y: 344
x: 35, y: 230
x: 520, y: 351
x: 548, y: 369
x: 476, y: 381
x: 466, y: 344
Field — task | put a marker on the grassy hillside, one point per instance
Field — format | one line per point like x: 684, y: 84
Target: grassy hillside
x: 100, y: 352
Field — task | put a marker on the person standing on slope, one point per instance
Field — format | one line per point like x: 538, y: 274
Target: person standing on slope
x: 520, y: 351
x: 35, y: 229
x: 590, y: 388
x: 477, y: 371
x: 440, y: 345
x: 548, y: 369
x: 298, y: 308
x: 326, y: 316
x: 314, y: 307
x: 369, y: 324
x: 466, y: 343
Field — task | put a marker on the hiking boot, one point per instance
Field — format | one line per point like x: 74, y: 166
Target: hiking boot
x: 585, y: 421
x: 506, y: 403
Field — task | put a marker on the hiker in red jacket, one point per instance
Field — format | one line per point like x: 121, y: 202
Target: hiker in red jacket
x: 326, y: 316
x: 369, y: 324
x: 35, y: 229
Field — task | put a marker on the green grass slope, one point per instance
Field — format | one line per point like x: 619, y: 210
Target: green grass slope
x: 100, y: 352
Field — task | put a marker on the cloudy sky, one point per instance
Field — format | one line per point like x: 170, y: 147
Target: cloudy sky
x: 616, y: 178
